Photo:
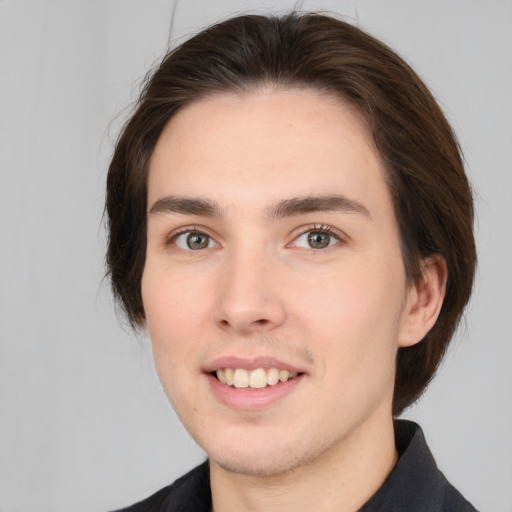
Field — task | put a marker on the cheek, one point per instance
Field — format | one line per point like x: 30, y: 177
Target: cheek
x: 172, y: 323
x: 353, y: 318
x: 347, y: 298
x: 353, y: 330
x: 173, y: 311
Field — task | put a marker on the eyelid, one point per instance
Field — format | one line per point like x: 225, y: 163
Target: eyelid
x: 334, y: 232
x: 173, y: 235
x: 325, y: 228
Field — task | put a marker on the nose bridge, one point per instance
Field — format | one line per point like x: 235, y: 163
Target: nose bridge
x: 248, y: 298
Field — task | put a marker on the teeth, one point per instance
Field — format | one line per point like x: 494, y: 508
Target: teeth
x: 230, y: 376
x: 257, y: 379
x: 241, y: 379
x: 221, y: 375
x: 272, y: 376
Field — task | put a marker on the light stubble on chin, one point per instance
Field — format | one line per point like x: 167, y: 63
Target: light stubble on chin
x: 288, y: 464
x: 284, y: 462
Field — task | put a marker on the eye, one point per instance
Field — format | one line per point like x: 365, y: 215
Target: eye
x: 316, y: 239
x: 194, y: 241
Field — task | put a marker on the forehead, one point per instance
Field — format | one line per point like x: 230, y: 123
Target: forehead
x: 264, y: 146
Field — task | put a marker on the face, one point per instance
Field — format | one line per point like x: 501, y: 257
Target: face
x: 274, y: 287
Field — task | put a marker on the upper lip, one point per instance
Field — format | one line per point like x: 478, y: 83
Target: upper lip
x: 250, y: 363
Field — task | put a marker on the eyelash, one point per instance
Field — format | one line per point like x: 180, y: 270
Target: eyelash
x: 186, y: 229
x: 320, y: 228
x: 324, y: 228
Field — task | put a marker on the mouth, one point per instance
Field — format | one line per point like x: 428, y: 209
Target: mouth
x: 253, y: 380
x: 253, y: 384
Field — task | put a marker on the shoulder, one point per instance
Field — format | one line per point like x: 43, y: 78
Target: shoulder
x: 189, y: 493
x: 454, y: 501
x: 416, y: 484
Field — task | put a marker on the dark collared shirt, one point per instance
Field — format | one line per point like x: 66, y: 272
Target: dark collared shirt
x: 414, y: 485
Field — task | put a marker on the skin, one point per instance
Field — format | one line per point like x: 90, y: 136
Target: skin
x: 257, y: 288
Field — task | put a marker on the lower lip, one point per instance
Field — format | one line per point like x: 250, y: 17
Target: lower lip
x: 252, y: 400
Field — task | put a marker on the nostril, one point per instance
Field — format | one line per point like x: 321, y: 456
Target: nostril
x: 255, y: 324
x: 261, y: 321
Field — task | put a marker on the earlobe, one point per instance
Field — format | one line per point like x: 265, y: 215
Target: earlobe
x: 424, y: 302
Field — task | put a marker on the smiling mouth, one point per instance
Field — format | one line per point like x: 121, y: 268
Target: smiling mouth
x: 260, y: 378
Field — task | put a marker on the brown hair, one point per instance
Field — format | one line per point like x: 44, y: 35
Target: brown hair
x: 430, y: 191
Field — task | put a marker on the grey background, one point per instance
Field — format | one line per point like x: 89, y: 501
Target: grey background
x: 84, y: 423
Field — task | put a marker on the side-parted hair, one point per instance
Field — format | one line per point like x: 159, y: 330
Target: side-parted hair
x: 425, y: 174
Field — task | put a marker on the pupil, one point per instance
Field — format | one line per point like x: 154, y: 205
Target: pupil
x: 318, y: 240
x: 197, y: 241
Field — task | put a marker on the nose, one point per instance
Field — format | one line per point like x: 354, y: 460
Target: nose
x: 249, y: 298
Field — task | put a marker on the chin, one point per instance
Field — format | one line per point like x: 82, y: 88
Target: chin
x: 260, y: 469
x: 267, y: 462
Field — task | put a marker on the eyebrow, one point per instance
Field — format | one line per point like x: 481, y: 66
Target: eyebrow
x: 286, y: 208
x: 309, y: 204
x: 186, y: 206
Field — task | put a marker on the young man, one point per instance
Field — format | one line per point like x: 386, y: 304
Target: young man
x: 290, y: 220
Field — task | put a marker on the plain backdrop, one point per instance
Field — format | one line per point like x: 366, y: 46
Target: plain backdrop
x: 84, y: 423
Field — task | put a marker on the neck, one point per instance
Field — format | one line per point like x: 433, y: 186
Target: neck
x: 342, y: 479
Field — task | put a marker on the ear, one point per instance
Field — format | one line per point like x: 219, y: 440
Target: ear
x: 423, y: 302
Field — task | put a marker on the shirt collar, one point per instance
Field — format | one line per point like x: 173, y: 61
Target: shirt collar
x: 415, y: 484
